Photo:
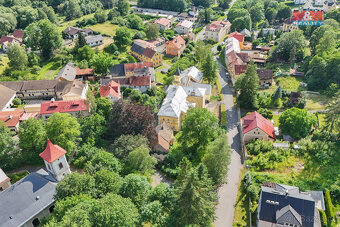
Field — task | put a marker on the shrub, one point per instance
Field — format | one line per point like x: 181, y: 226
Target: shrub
x: 17, y: 102
x: 253, y: 192
x: 323, y: 218
x: 111, y: 49
x: 329, y: 206
x: 266, y: 113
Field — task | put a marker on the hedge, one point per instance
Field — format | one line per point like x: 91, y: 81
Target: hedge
x: 329, y: 206
x: 323, y: 218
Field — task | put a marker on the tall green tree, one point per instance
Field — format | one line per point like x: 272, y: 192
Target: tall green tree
x: 103, y: 160
x: 284, y: 12
x: 7, y: 143
x: 137, y: 188
x: 17, y: 57
x: 81, y: 42
x: 123, y: 36
x: 102, y: 63
x: 286, y: 43
x: 199, y: 128
x: 195, y: 199
x: 217, y: 159
x: 296, y: 122
x: 92, y: 128
x: 247, y: 85
x: 63, y: 129
x: 100, y: 16
x: 333, y: 114
x: 32, y: 135
x: 72, y: 10
x: 123, y: 7
x: 209, y: 69
x: 140, y: 160
x: 43, y: 36
x: 152, y: 31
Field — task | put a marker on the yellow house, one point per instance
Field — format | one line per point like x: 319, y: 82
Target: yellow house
x: 146, y: 54
x: 177, y: 102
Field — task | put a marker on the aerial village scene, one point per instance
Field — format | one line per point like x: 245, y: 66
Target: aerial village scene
x: 169, y: 113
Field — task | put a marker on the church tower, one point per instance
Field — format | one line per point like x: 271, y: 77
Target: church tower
x: 177, y: 79
x: 55, y: 160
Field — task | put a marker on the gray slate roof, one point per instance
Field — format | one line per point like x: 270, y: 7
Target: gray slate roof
x: 304, y: 205
x: 68, y: 72
x: 19, y: 203
x: 93, y: 38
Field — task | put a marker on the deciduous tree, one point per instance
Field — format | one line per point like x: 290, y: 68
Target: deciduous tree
x: 247, y: 85
x: 152, y: 31
x: 63, y: 129
x: 32, y: 135
x: 217, y: 159
x: 123, y: 36
x: 131, y: 119
x: 17, y: 57
x: 140, y: 160
x: 296, y: 122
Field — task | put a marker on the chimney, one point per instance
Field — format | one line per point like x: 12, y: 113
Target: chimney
x: 286, y: 193
x: 10, y: 117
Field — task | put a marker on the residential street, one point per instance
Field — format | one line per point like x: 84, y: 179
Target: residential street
x: 227, y: 193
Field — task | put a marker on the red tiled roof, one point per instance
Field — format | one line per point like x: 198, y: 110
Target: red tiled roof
x: 239, y: 69
x: 63, y: 106
x: 148, y: 52
x: 217, y: 25
x: 11, y: 118
x: 132, y: 66
x: 18, y: 34
x: 9, y: 39
x: 256, y: 120
x: 111, y: 88
x: 134, y: 81
x: 27, y: 116
x: 238, y: 36
x: 178, y: 41
x: 163, y: 143
x: 162, y: 21
x: 82, y: 72
x: 52, y: 152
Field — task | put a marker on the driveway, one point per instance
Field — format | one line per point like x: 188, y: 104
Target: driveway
x: 227, y: 193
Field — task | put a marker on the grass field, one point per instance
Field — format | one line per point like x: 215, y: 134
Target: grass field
x: 160, y: 77
x: 241, y: 213
x: 289, y: 83
x: 49, y: 70
x: 105, y: 28
x: 65, y: 24
x: 3, y: 63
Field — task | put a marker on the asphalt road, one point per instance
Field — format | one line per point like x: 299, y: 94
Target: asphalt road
x: 227, y: 193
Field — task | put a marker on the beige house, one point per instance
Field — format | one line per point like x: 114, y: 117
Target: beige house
x: 6, y: 97
x: 217, y: 30
x: 255, y: 126
x: 184, y: 27
x: 5, y: 182
x: 77, y: 91
x: 177, y: 102
x: 288, y: 25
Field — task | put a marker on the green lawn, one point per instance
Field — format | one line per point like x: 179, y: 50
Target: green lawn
x: 167, y: 60
x: 3, y: 63
x: 65, y: 24
x: 316, y: 102
x: 17, y: 176
x: 160, y: 77
x: 49, y: 70
x: 276, y: 120
x: 105, y: 28
x: 241, y: 212
x: 289, y: 82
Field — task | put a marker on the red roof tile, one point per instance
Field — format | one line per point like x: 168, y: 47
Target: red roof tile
x: 19, y: 34
x: 63, y: 106
x: 52, y: 152
x: 9, y: 39
x: 111, y: 88
x: 238, y: 36
x: 82, y: 72
x: 178, y: 41
x: 132, y: 66
x: 162, y: 21
x: 11, y: 118
x: 256, y: 120
x: 134, y: 81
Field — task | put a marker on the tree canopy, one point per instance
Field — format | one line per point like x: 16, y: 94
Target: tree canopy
x: 296, y: 122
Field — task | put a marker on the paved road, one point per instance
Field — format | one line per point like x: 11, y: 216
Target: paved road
x: 227, y: 193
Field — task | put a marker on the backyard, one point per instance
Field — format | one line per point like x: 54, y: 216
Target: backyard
x: 105, y: 28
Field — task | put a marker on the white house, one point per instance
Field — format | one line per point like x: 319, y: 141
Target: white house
x: 6, y: 97
x: 184, y: 27
x: 94, y: 40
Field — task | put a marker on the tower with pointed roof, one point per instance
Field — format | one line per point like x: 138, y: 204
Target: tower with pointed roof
x: 177, y: 78
x: 55, y: 160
